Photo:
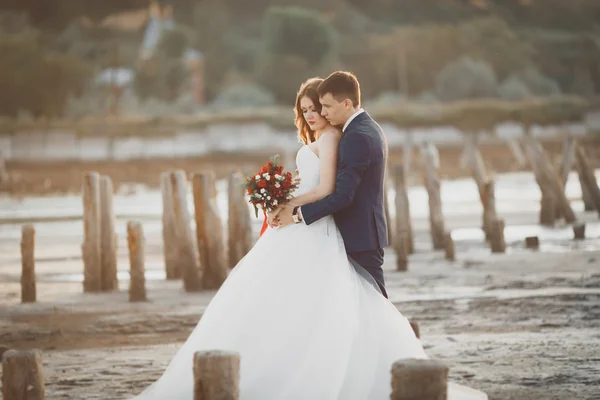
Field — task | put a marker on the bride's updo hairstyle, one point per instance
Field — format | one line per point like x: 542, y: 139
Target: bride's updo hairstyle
x: 308, y: 89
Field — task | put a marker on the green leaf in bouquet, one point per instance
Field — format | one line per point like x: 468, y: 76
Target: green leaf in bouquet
x: 275, y: 159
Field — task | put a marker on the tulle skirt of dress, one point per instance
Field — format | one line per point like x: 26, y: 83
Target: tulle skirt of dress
x: 306, y: 324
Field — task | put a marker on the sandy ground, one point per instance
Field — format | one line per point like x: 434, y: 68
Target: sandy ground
x: 522, y: 325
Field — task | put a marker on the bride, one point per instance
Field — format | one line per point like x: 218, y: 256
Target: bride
x: 307, y: 323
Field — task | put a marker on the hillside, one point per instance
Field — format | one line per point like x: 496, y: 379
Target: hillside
x: 258, y: 52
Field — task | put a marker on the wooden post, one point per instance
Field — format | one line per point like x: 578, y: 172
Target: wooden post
x: 388, y: 215
x: 517, y: 151
x: 579, y: 231
x: 475, y: 160
x: 567, y: 161
x: 488, y: 200
x: 401, y: 247
x: 169, y: 231
x: 92, y: 267
x: 587, y: 173
x: 108, y: 236
x: 417, y: 379
x: 586, y: 197
x: 485, y: 185
x: 239, y: 224
x: 187, y: 258
x: 566, y: 166
x: 548, y: 210
x: 403, y: 221
x: 547, y: 204
x: 28, y: 287
x: 209, y: 231
x: 532, y: 242
x: 415, y: 327
x: 136, y: 244
x: 432, y: 183
x: 497, y: 242
x: 548, y: 179
x: 449, y: 247
x: 23, y: 375
x: 407, y: 152
x: 4, y: 176
x: 216, y: 375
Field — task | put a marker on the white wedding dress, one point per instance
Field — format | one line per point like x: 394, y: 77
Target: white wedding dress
x: 306, y: 324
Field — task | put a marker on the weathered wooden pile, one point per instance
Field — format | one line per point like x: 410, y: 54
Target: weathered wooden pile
x: 216, y: 375
x: 476, y: 120
x: 203, y: 261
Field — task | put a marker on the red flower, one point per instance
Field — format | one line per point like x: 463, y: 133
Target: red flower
x: 281, y: 193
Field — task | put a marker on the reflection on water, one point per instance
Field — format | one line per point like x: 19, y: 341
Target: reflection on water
x: 514, y: 192
x: 517, y: 233
x: 153, y: 273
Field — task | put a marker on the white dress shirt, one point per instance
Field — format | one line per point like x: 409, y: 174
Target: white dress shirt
x: 359, y: 111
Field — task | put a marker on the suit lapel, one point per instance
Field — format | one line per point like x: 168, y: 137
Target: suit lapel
x: 360, y: 117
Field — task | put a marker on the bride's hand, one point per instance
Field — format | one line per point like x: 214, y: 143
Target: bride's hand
x: 271, y: 216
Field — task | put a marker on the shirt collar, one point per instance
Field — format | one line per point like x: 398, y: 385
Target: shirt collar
x: 359, y: 111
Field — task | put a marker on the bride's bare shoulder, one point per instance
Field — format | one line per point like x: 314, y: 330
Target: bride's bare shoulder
x: 332, y: 134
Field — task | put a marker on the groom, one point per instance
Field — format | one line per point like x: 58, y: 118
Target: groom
x: 357, y: 203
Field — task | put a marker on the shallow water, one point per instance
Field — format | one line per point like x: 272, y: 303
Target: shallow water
x: 517, y: 195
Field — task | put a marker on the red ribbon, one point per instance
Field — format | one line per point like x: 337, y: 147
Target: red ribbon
x: 265, y: 224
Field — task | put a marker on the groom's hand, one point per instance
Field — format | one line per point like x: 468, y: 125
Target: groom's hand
x: 285, y: 216
x: 296, y: 180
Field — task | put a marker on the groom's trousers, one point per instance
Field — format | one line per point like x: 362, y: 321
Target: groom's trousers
x: 371, y: 261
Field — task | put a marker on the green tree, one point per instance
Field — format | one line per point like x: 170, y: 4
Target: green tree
x: 494, y: 41
x: 298, y: 31
x: 173, y: 42
x: 36, y: 79
x: 465, y: 79
x: 299, y: 44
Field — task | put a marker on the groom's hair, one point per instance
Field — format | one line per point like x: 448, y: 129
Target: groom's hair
x: 342, y: 85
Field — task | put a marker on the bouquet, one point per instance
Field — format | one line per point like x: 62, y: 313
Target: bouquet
x: 270, y: 187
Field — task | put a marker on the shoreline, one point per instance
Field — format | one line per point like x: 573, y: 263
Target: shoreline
x: 56, y: 178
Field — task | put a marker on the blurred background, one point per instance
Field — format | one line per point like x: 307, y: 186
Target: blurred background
x: 131, y: 88
x: 70, y: 58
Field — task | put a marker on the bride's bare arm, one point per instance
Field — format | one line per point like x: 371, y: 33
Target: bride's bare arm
x: 328, y: 151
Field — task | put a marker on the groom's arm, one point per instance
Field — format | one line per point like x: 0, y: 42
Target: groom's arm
x: 355, y: 157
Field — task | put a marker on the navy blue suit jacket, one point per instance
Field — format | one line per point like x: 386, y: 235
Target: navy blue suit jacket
x: 357, y: 203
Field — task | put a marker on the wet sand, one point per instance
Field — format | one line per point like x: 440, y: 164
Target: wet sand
x: 522, y: 325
